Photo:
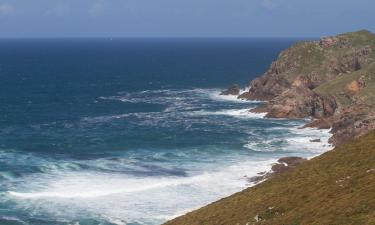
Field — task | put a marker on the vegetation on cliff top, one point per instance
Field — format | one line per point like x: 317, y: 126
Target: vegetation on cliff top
x: 326, y: 59
x: 337, y: 187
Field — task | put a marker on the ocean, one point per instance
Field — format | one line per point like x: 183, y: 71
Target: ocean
x: 133, y: 131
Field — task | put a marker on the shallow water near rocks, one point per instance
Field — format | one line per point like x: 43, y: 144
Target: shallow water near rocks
x: 133, y: 131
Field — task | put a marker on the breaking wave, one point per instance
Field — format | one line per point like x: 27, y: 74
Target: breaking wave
x: 196, y: 147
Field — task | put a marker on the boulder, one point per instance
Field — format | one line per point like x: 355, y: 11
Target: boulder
x: 232, y: 90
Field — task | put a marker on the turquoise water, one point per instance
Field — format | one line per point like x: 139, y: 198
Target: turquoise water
x: 132, y: 131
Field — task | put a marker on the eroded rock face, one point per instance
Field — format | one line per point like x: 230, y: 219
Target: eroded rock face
x: 321, y: 123
x: 292, y: 84
x: 353, y: 123
x: 309, y: 81
x: 232, y: 90
x: 337, y: 41
x: 299, y: 102
x: 352, y: 61
x: 328, y: 41
x: 353, y: 87
x: 266, y: 87
x: 347, y: 125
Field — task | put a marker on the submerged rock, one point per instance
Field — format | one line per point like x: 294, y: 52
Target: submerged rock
x: 232, y: 90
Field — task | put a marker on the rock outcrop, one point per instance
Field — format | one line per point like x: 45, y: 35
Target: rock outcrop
x: 299, y: 102
x: 232, y: 90
x: 331, y: 80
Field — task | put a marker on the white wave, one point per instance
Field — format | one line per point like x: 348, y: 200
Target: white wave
x: 246, y: 89
x: 177, y: 103
x: 296, y: 140
x: 102, y: 119
x: 239, y: 113
x: 74, y: 188
x: 264, y: 145
x: 173, y: 100
x: 170, y: 96
x: 15, y: 219
x: 302, y: 140
x: 215, y: 95
x: 84, y: 185
x: 119, y: 198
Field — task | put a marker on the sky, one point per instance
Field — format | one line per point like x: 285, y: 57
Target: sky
x: 184, y: 18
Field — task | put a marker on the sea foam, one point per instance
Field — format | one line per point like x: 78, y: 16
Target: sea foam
x: 119, y: 196
x: 240, y: 113
x: 138, y: 185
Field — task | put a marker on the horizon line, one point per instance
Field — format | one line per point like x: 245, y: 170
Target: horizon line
x: 160, y: 37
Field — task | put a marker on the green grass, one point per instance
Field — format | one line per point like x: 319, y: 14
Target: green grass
x: 358, y: 38
x: 309, y: 57
x: 336, y: 188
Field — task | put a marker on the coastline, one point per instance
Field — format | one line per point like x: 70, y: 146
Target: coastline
x: 278, y: 165
x: 283, y: 164
x: 315, y: 80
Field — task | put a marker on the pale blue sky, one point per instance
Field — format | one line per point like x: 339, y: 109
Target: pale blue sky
x: 183, y: 18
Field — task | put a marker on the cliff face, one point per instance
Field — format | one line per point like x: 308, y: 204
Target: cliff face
x: 337, y: 187
x: 331, y: 80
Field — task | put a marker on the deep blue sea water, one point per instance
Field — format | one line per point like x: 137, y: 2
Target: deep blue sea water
x: 132, y: 131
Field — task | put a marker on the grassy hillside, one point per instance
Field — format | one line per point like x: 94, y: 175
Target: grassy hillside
x: 337, y: 187
x: 327, y: 60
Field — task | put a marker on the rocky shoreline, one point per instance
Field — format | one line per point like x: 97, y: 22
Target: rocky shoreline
x: 283, y: 164
x: 326, y: 80
x: 331, y: 81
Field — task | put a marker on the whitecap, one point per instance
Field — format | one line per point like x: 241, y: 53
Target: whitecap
x: 14, y: 219
x: 238, y: 113
x: 114, y: 196
x: 215, y: 94
x: 294, y: 139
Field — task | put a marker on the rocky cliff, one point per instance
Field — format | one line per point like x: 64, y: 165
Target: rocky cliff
x: 331, y: 80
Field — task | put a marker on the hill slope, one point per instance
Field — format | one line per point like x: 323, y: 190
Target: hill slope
x: 337, y: 187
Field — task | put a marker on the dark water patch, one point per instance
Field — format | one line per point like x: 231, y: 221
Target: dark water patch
x: 11, y: 221
x: 154, y: 170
